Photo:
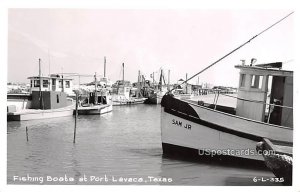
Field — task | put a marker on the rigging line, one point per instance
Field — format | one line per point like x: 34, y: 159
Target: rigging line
x: 234, y: 50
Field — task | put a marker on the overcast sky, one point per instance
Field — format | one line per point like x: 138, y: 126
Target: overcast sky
x: 182, y: 41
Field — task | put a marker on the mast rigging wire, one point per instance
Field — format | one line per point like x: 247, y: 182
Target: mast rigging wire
x: 234, y: 50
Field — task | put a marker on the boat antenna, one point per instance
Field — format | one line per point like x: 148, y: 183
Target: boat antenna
x: 49, y: 61
x: 234, y: 50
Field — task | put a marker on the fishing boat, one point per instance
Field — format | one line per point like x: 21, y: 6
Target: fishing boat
x: 206, y: 129
x: 264, y: 109
x: 48, y: 98
x: 158, y: 91
x: 122, y: 93
x: 124, y: 97
x: 183, y: 90
x: 179, y: 93
x: 97, y: 103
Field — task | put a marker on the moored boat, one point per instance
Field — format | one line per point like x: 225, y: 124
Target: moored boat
x: 158, y: 91
x: 209, y: 130
x: 96, y: 103
x: 48, y: 99
x: 122, y: 93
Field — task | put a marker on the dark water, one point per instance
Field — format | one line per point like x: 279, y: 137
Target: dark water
x: 112, y: 148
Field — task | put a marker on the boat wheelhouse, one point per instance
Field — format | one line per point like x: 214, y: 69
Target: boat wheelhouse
x: 256, y: 103
x: 54, y: 82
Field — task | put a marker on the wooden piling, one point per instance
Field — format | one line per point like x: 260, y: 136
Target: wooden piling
x: 76, y: 114
x: 27, y: 134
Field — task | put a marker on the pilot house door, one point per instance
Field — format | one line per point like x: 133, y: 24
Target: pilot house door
x: 277, y: 99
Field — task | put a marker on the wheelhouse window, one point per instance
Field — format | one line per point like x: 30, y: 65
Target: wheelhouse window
x: 60, y: 83
x: 45, y: 83
x: 53, y: 82
x: 36, y: 83
x: 67, y: 84
x: 256, y: 81
x: 243, y: 79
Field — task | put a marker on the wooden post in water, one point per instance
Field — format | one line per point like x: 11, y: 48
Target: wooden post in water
x: 76, y: 114
x: 26, y: 134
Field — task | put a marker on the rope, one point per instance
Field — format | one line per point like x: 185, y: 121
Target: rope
x: 255, y: 101
x: 234, y: 50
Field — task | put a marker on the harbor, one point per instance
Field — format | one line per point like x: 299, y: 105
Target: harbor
x: 111, y: 145
x: 132, y: 117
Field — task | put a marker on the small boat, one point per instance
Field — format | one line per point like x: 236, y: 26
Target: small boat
x: 122, y: 93
x: 180, y: 94
x: 278, y: 158
x: 118, y: 100
x: 155, y: 97
x: 48, y: 98
x: 158, y: 91
x: 204, y: 129
x: 97, y: 103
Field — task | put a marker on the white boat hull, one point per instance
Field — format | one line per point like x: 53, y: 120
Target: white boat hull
x: 131, y: 101
x: 33, y: 114
x: 186, y: 125
x: 95, y: 110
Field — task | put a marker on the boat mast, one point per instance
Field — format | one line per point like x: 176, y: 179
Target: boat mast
x: 160, y: 80
x: 62, y: 79
x: 95, y: 100
x: 104, y: 66
x: 153, y: 77
x: 139, y: 87
x: 123, y: 74
x: 40, y: 79
x: 186, y: 84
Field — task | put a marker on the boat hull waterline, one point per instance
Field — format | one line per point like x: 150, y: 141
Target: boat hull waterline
x: 94, y: 110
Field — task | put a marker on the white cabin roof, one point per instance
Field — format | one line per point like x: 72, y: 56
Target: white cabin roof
x: 265, y: 71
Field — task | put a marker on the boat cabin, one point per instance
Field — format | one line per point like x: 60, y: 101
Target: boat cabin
x: 265, y: 93
x: 54, y: 82
x: 100, y: 97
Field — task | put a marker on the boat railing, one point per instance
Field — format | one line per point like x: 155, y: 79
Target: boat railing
x: 255, y: 101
